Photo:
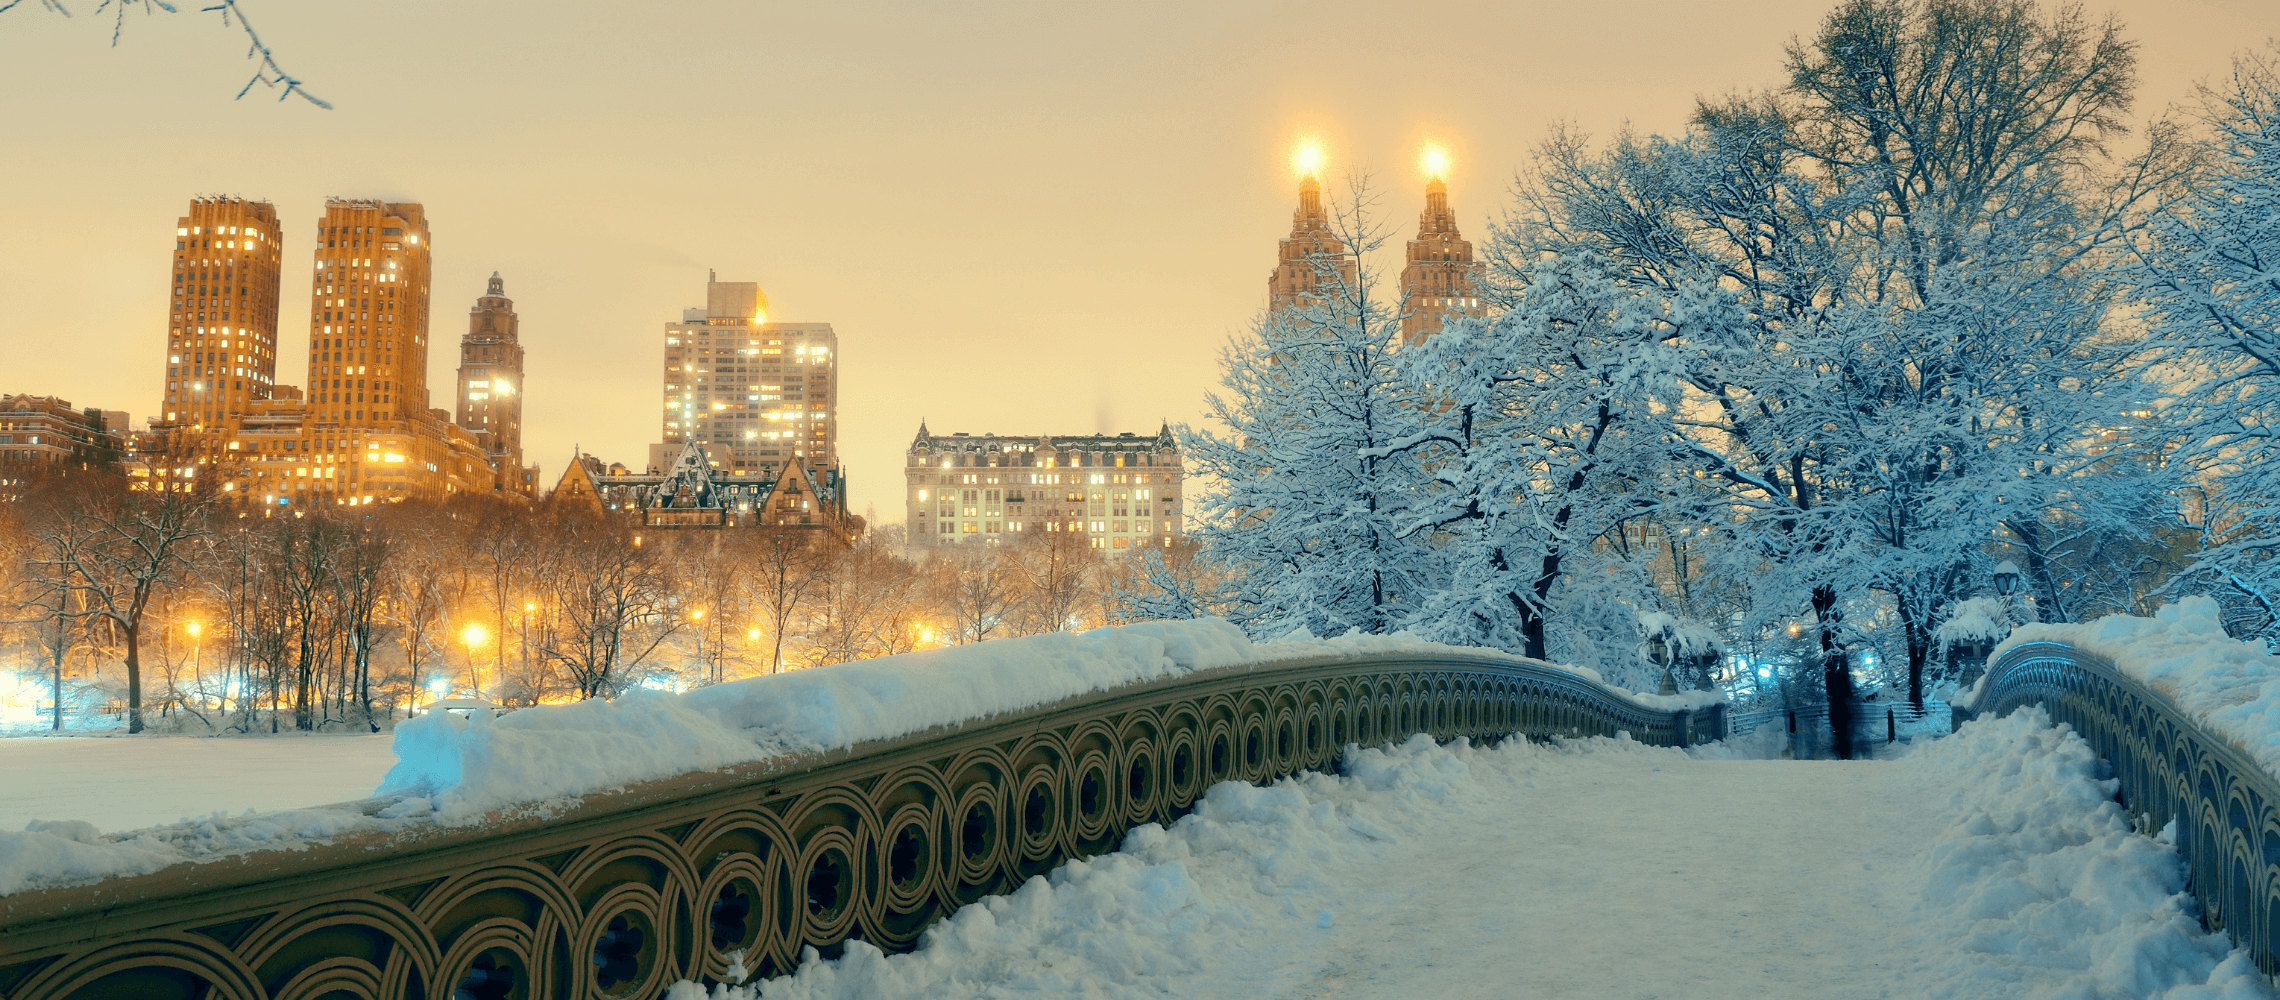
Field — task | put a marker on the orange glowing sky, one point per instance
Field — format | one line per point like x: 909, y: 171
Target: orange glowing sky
x: 1020, y: 218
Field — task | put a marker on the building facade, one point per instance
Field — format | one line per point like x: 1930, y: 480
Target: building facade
x: 1302, y: 256
x: 1441, y: 279
x: 760, y: 396
x: 44, y: 433
x: 1121, y: 491
x: 490, y: 383
x: 221, y: 330
x: 363, y: 429
x: 693, y: 491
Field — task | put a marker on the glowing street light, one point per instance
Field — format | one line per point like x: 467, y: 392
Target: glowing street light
x: 475, y: 634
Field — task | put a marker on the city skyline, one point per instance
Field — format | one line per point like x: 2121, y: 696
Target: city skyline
x: 1020, y: 219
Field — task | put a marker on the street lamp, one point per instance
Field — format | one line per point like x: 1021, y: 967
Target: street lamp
x: 1658, y: 652
x: 474, y: 634
x: 197, y: 676
x: 2007, y: 578
x: 529, y: 676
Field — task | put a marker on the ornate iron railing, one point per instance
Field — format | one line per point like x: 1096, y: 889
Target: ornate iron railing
x: 2226, y: 807
x: 635, y: 888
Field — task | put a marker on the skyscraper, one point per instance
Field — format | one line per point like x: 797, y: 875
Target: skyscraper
x: 759, y: 395
x: 363, y: 431
x: 1441, y: 277
x: 1309, y: 245
x: 221, y: 340
x: 491, y: 375
x: 368, y: 315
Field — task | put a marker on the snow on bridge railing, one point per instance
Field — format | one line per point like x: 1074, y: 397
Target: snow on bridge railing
x: 610, y: 848
x: 2190, y: 720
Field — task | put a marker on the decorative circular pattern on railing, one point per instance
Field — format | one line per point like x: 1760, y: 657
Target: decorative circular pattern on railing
x: 875, y: 845
x: 2227, y: 809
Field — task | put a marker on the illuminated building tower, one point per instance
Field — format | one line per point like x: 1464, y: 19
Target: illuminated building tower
x: 221, y: 341
x: 760, y: 396
x: 368, y: 314
x: 1300, y: 256
x: 491, y: 374
x: 1441, y: 277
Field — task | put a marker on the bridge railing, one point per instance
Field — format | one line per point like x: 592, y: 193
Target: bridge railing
x: 2226, y: 807
x: 635, y: 888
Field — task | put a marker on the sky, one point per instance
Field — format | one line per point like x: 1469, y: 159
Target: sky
x: 1020, y: 218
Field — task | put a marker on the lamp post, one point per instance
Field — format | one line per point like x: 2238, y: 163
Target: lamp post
x: 2007, y: 580
x: 1658, y: 651
x: 197, y: 676
x: 529, y: 676
x: 704, y: 670
x: 474, y: 634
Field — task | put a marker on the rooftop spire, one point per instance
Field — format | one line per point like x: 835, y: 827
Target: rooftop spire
x: 498, y: 288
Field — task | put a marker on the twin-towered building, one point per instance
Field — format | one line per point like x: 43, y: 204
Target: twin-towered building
x: 1124, y: 491
x: 363, y: 429
x: 1440, y: 279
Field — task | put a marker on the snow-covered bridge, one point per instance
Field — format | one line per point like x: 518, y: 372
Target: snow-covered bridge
x: 615, y: 850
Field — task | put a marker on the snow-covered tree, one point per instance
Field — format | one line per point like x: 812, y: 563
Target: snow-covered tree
x: 2209, y: 273
x: 1915, y: 356
x: 1307, y: 509
x: 1539, y: 426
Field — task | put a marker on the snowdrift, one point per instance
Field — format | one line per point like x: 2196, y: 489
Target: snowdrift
x: 2228, y: 687
x: 468, y: 767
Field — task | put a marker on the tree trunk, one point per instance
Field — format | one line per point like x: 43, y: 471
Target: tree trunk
x: 363, y: 640
x: 1836, y: 674
x: 1918, y: 635
x: 62, y: 636
x: 134, y: 681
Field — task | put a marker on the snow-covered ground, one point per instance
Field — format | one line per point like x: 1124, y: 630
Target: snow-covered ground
x: 1993, y: 864
x: 126, y: 783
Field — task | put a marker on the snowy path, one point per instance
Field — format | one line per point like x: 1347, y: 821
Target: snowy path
x: 1761, y: 884
x: 130, y: 782
x: 1992, y: 864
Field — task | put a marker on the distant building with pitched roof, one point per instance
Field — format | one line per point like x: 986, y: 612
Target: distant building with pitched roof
x: 693, y: 492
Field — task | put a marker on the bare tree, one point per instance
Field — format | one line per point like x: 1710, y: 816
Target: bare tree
x: 1053, y: 571
x: 612, y: 599
x: 116, y: 548
x: 866, y: 605
x: 361, y: 579
x: 786, y: 563
x: 973, y: 586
